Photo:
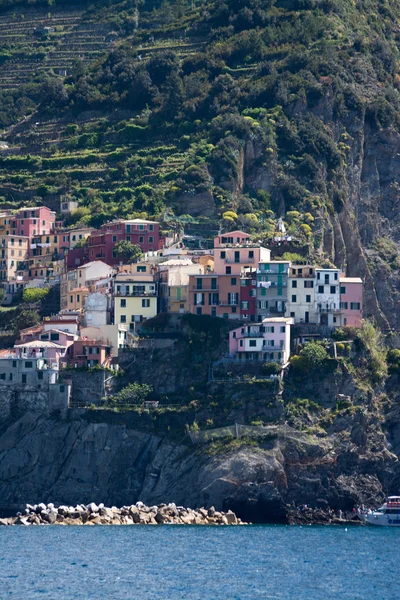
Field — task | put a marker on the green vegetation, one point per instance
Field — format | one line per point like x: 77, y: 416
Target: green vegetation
x: 34, y: 295
x: 165, y: 99
x: 134, y: 393
x: 312, y: 357
x: 127, y: 251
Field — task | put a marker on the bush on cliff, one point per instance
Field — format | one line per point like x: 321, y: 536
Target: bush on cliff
x: 134, y: 393
x: 312, y: 357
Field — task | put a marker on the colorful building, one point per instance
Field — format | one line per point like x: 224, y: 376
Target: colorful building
x: 87, y: 353
x: 248, y: 296
x: 234, y: 252
x: 101, y: 244
x: 135, y: 296
x: 13, y: 255
x: 351, y: 300
x: 215, y: 295
x: 30, y: 222
x: 327, y: 297
x: 77, y: 297
x: 272, y: 288
x: 266, y: 341
x: 174, y: 284
x: 301, y: 294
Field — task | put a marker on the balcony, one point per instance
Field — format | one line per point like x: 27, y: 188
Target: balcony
x: 206, y: 288
x: 272, y: 272
x: 328, y: 310
x: 246, y: 334
x: 274, y: 284
x: 241, y: 261
x: 135, y: 294
x: 223, y: 303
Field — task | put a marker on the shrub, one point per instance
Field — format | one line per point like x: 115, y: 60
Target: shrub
x: 272, y: 368
x: 134, y: 393
x: 33, y: 295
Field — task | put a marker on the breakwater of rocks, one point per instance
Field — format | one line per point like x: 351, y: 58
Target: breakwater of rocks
x: 136, y: 514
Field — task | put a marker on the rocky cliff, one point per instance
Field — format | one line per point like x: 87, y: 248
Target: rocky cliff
x: 329, y: 437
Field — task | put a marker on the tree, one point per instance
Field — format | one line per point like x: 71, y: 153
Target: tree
x: 134, y: 393
x: 314, y: 354
x: 26, y: 318
x: 127, y: 251
x: 33, y: 295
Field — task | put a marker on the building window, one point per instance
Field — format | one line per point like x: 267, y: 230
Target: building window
x: 54, y: 337
x: 342, y: 289
x: 333, y: 289
x: 213, y: 283
x: 308, y: 298
x: 233, y: 309
x: 344, y: 305
x: 233, y: 281
x: 308, y: 284
x: 114, y: 238
x: 145, y: 303
x: 78, y: 298
x: 23, y: 378
x: 3, y: 376
x: 141, y: 269
x: 355, y: 305
x: 28, y: 364
x: 251, y: 253
x: 199, y: 283
x: 294, y: 284
x: 292, y: 314
x: 213, y: 311
x: 128, y: 238
x: 294, y: 298
x: 241, y: 343
x: 199, y: 310
x: 318, y: 276
x: 336, y: 276
x: 122, y: 303
x: 253, y: 343
x: 245, y: 305
x: 40, y: 375
x: 283, y: 328
x: 228, y: 270
x: 320, y: 289
x: 123, y: 318
x: 141, y: 239
x: 151, y: 227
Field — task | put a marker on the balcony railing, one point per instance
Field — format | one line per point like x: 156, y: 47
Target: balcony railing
x: 329, y: 309
x: 135, y: 293
x: 224, y: 303
x: 204, y: 289
x: 241, y: 261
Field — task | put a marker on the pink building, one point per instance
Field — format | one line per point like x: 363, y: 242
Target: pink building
x: 215, y: 295
x: 31, y: 222
x: 351, y: 301
x: 145, y: 234
x: 234, y: 251
x: 268, y: 340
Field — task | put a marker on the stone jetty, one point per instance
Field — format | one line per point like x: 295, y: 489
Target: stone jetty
x: 136, y: 514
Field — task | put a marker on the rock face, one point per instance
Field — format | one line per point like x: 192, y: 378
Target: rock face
x: 136, y: 514
x: 70, y: 461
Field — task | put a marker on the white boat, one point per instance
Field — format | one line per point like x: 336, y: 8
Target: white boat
x: 388, y: 515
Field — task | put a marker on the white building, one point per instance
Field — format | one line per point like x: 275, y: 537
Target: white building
x: 97, y: 310
x: 327, y: 297
x: 301, y: 294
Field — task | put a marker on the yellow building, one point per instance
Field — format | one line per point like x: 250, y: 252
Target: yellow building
x: 135, y: 297
x: 13, y: 253
x: 76, y: 298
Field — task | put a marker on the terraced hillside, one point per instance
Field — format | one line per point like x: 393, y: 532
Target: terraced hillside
x: 25, y: 51
x: 238, y: 111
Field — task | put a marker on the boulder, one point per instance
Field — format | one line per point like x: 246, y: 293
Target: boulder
x: 92, y: 507
x: 231, y: 518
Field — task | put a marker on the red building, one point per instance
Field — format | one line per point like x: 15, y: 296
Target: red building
x: 31, y: 222
x: 248, y: 296
x: 87, y: 353
x: 145, y: 234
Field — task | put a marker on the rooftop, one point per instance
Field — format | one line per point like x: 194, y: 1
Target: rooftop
x: 351, y: 280
x: 39, y: 344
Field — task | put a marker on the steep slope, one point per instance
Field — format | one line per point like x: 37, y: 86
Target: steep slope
x: 255, y: 109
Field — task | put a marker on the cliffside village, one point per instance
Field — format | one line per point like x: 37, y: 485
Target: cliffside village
x: 104, y: 302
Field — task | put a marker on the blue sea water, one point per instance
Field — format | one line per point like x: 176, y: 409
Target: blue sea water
x: 193, y: 563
